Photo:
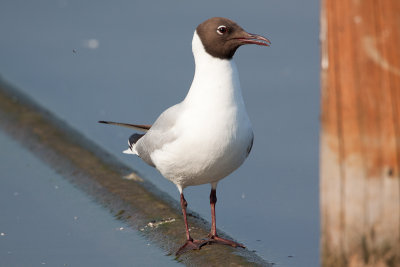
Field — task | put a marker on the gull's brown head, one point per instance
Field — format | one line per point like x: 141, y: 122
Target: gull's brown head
x: 221, y: 37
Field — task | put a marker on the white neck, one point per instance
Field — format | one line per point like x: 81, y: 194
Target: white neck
x: 215, y: 82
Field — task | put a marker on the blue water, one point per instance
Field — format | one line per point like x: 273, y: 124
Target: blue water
x: 47, y: 221
x: 129, y: 60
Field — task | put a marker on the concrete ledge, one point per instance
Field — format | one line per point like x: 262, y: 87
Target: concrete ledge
x: 134, y: 201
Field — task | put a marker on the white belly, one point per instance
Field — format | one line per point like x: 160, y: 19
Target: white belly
x: 208, y: 148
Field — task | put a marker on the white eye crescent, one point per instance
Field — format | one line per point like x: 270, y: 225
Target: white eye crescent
x: 222, y: 29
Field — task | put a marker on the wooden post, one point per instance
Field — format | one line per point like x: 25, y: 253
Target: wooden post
x: 360, y: 135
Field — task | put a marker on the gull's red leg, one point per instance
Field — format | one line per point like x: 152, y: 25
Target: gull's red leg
x: 190, y: 244
x: 214, y: 238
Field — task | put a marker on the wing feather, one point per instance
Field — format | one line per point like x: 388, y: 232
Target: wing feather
x: 138, y: 127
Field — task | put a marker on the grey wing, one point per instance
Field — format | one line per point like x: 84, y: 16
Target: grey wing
x: 159, y: 134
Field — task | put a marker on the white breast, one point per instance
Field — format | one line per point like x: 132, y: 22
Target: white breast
x: 213, y: 128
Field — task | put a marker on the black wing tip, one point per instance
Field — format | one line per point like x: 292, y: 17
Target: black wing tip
x: 134, y: 138
x: 106, y: 122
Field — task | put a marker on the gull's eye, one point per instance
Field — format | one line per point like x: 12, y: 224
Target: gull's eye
x: 222, y: 29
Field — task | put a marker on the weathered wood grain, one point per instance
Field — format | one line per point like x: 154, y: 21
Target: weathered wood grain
x: 360, y: 134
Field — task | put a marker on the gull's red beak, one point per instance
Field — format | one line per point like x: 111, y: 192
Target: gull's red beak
x: 251, y: 38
